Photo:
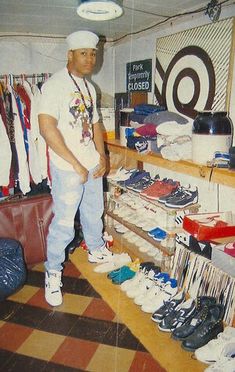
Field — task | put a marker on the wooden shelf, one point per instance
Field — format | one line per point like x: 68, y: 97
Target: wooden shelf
x: 217, y: 175
x: 139, y: 232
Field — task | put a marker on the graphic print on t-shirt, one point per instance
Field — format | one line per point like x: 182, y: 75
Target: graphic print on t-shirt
x: 81, y: 119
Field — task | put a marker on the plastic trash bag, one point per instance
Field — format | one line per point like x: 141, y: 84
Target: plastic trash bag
x: 12, y: 267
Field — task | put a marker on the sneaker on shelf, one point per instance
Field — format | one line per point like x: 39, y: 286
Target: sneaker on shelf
x: 179, y: 191
x: 53, y: 286
x: 100, y: 255
x: 121, y: 174
x: 142, y: 184
x: 168, y: 290
x: 214, y: 349
x: 134, y: 177
x: 186, y: 198
x: 165, y: 189
x: 168, y: 306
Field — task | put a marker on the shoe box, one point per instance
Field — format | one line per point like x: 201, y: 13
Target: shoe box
x: 210, y: 226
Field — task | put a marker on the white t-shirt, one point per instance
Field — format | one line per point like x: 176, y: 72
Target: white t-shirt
x: 61, y: 99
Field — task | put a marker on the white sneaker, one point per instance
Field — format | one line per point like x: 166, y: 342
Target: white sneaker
x: 100, y: 255
x: 167, y: 291
x: 118, y: 260
x: 226, y: 363
x: 53, y: 286
x: 212, y: 351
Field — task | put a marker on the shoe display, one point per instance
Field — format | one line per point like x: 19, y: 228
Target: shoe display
x: 168, y: 306
x: 214, y: 349
x: 53, y: 286
x: 196, y: 319
x: 178, y: 316
x: 209, y: 329
x: 100, y: 255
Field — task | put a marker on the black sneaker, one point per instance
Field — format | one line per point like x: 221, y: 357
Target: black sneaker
x: 177, y: 317
x: 168, y: 306
x: 209, y: 329
x: 186, y: 198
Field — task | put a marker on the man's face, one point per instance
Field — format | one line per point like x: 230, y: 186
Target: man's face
x: 82, y: 61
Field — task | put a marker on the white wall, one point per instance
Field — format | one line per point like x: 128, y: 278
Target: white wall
x: 20, y: 55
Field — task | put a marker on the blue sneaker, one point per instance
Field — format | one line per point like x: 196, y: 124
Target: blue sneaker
x: 124, y: 274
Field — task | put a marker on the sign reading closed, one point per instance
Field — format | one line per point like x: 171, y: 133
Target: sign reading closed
x: 139, y: 76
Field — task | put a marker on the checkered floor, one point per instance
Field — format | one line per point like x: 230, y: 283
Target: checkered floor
x: 83, y: 334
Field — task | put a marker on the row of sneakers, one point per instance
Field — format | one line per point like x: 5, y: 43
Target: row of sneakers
x: 150, y: 287
x: 144, y: 217
x: 194, y: 323
x: 165, y: 191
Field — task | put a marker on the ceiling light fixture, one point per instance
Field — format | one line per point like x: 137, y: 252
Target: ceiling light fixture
x: 99, y: 10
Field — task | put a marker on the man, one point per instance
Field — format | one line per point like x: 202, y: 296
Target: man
x: 68, y: 121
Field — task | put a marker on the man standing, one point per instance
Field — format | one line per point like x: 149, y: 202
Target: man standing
x: 68, y: 121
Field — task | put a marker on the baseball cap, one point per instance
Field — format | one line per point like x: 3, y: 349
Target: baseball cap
x: 82, y: 39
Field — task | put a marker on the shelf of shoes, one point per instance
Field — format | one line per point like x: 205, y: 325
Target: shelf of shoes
x: 136, y: 250
x: 193, y: 208
x: 140, y: 233
x: 216, y: 175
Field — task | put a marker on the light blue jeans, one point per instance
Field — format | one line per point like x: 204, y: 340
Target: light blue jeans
x: 68, y: 195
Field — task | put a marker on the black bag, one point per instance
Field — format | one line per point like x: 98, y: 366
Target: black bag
x: 12, y: 267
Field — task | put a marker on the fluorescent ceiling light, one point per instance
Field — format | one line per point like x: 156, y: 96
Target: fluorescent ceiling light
x: 99, y: 10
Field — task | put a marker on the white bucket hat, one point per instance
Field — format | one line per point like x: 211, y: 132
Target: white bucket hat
x: 82, y: 40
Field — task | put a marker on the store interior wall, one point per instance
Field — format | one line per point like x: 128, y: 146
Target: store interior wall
x: 31, y: 55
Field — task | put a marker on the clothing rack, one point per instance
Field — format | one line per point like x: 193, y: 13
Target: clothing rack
x: 30, y: 76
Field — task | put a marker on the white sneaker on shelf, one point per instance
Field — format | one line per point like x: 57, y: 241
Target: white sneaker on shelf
x: 100, y: 255
x: 53, y: 286
x: 214, y: 349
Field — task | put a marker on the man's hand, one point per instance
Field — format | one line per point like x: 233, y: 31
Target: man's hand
x: 81, y: 171
x: 100, y: 171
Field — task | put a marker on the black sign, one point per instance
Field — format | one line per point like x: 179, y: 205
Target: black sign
x: 139, y: 76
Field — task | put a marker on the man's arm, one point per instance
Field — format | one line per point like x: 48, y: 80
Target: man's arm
x: 55, y: 140
x: 99, y: 144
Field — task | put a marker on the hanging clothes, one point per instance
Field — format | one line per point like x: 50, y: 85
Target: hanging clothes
x: 24, y: 178
x: 5, y: 155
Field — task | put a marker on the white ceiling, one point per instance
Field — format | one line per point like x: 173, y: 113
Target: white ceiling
x: 59, y: 17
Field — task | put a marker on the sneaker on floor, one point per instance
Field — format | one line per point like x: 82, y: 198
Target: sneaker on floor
x: 168, y: 306
x: 178, y: 316
x: 168, y: 290
x: 224, y: 364
x: 100, y: 255
x: 214, y: 349
x: 117, y: 261
x: 53, y: 286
